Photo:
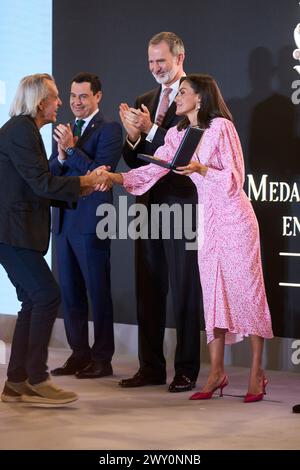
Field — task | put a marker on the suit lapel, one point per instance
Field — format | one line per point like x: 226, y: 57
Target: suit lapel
x: 169, y: 116
x: 95, y: 123
x: 152, y: 105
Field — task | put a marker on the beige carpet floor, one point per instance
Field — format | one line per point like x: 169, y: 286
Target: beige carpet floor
x: 109, y: 417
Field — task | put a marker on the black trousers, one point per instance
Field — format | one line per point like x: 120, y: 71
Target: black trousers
x: 39, y: 293
x: 160, y: 263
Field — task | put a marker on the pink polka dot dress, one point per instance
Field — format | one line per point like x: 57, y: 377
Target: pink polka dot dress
x: 228, y: 235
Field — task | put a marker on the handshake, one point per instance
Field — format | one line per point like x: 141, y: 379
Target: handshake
x: 98, y: 180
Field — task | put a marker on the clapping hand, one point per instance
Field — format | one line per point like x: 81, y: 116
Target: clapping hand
x: 138, y: 118
x: 132, y: 131
x: 63, y: 135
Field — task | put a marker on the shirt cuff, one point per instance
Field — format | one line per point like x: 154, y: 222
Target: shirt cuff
x: 152, y: 133
x: 60, y: 161
x: 131, y: 145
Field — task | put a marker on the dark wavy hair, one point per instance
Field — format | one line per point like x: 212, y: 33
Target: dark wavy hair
x: 91, y: 78
x: 212, y: 101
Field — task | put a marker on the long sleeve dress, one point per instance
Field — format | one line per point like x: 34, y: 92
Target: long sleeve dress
x: 229, y: 254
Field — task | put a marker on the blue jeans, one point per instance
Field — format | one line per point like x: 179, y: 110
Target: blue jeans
x: 40, y: 296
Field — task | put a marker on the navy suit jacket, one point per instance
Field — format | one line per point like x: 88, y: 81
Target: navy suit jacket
x: 100, y: 144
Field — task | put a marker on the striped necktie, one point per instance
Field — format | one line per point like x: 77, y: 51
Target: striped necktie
x: 163, y: 106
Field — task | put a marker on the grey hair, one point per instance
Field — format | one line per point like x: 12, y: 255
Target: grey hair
x: 174, y: 42
x: 31, y: 91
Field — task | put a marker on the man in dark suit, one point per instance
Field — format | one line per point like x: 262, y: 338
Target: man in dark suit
x: 83, y: 260
x: 161, y: 261
x: 26, y: 187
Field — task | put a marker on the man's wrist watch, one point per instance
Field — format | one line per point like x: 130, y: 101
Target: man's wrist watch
x: 70, y: 151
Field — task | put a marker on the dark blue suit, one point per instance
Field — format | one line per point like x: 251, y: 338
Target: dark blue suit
x: 83, y: 260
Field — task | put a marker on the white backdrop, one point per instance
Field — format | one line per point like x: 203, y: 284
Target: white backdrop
x: 25, y: 48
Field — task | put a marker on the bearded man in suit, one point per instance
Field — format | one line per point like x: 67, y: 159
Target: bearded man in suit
x: 160, y: 261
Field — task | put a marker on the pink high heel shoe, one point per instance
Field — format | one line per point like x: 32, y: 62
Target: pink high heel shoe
x: 208, y: 395
x: 251, y: 397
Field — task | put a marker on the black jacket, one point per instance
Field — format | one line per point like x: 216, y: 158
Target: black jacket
x: 27, y: 186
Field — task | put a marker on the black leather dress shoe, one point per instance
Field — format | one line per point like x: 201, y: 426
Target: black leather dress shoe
x: 71, y: 366
x: 181, y: 383
x: 95, y: 370
x: 142, y: 378
x: 296, y: 409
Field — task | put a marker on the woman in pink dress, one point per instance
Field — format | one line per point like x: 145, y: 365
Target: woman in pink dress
x: 234, y: 297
